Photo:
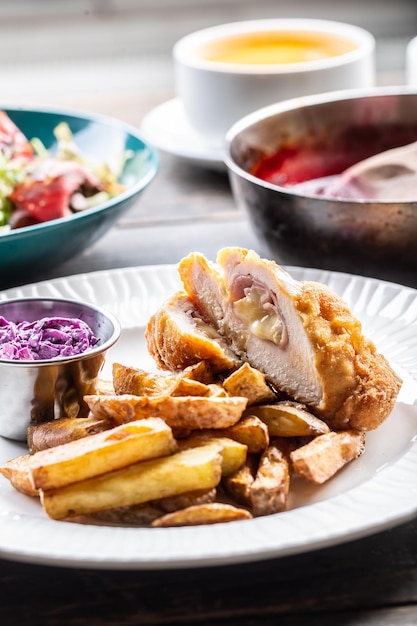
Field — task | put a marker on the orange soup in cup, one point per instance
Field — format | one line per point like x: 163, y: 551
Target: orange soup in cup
x: 272, y: 48
x: 225, y: 72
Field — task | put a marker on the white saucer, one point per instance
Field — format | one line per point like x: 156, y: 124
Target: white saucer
x: 167, y: 128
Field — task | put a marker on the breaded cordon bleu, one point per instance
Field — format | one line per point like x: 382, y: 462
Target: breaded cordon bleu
x: 300, y: 334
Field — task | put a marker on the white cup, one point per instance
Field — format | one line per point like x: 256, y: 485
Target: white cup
x: 411, y: 63
x: 216, y: 93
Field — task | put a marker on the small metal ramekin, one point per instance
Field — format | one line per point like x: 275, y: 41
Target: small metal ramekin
x: 37, y: 391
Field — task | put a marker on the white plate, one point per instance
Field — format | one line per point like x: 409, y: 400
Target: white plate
x: 373, y: 493
x: 167, y: 128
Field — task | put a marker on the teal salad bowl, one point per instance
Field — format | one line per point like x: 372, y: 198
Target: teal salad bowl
x: 27, y: 251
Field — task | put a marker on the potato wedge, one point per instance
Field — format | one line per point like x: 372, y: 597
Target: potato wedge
x: 201, y: 371
x: 249, y: 383
x: 138, y: 515
x: 188, y: 470
x: 249, y: 431
x: 101, y: 453
x: 233, y: 452
x: 62, y: 430
x: 288, y: 419
x: 212, y: 513
x: 189, y: 387
x: 269, y: 491
x: 262, y: 484
x: 216, y: 390
x: 187, y: 412
x: 321, y: 458
x: 144, y: 514
x: 138, y: 382
x: 18, y: 473
x: 252, y: 432
x: 238, y: 485
x: 184, y: 500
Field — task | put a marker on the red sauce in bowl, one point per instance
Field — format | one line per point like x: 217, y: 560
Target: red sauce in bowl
x: 318, y: 158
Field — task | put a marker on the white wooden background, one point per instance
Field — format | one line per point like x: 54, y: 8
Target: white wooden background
x: 71, y: 46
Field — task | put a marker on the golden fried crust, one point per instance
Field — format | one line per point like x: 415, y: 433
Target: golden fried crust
x: 176, y: 345
x: 374, y: 396
x: 153, y: 329
x: 327, y: 362
x: 204, y: 285
x: 360, y: 387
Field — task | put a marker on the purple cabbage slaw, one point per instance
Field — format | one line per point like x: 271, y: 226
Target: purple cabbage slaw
x: 44, y: 339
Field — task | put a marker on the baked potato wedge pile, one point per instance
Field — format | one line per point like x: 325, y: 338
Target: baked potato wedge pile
x: 189, y: 448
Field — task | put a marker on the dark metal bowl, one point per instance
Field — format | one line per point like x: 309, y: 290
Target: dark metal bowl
x: 371, y: 238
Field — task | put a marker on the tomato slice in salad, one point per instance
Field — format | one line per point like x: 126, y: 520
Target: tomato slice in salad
x: 37, y: 185
x: 46, y: 192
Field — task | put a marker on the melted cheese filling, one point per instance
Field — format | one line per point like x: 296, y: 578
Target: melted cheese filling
x: 262, y: 319
x: 207, y: 330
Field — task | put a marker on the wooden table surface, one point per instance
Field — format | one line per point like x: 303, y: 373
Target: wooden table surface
x: 371, y: 581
